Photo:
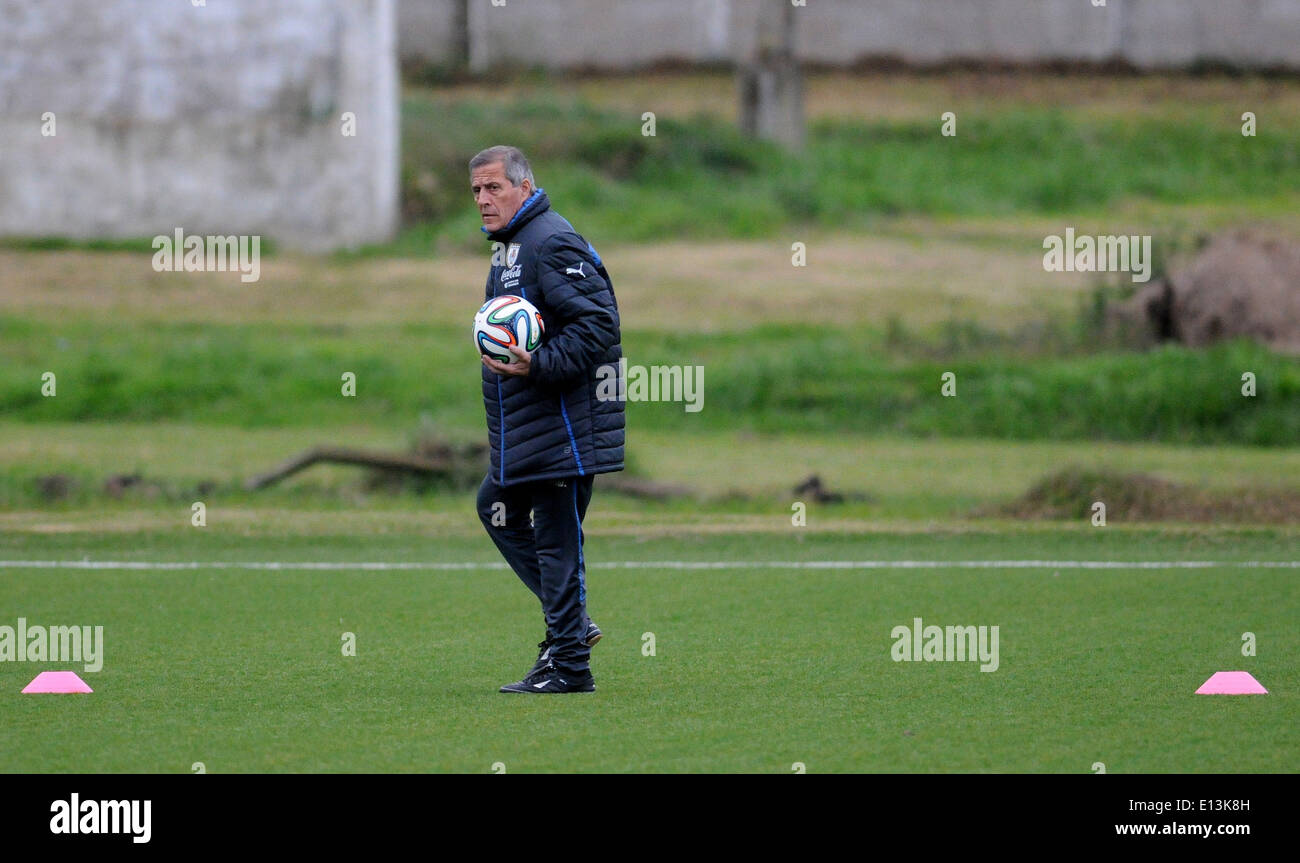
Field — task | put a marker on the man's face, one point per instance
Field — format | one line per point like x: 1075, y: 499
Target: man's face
x: 497, y: 199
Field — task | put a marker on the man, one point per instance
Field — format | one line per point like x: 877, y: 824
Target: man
x: 548, y: 432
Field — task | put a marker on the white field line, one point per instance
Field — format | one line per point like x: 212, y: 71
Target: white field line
x: 661, y: 564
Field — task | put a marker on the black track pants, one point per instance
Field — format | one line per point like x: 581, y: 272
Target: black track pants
x: 546, y: 555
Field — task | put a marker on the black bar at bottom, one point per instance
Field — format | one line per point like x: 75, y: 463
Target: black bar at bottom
x: 336, y: 812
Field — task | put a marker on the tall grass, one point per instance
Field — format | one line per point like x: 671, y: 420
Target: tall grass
x: 699, y: 177
x: 772, y: 378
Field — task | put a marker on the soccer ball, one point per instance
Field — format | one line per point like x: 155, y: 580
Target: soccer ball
x: 504, y: 321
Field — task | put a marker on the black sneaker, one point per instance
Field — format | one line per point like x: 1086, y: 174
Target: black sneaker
x: 553, y: 681
x: 544, y: 649
x: 543, y: 659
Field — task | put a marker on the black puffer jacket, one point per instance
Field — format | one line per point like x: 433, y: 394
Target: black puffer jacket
x: 551, y: 423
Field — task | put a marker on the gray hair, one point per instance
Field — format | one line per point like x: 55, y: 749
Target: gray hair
x: 516, y: 163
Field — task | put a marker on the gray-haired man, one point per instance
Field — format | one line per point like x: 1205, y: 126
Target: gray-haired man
x: 549, y: 432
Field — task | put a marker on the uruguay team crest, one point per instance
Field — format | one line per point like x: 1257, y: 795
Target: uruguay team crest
x: 512, y: 254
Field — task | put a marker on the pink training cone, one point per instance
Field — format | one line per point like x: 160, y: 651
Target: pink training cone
x: 57, y: 681
x: 1231, y: 683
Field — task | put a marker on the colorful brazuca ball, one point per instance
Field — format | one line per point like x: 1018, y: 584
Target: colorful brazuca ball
x: 504, y: 321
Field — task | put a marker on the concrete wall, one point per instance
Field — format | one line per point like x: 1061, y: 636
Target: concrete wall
x: 427, y: 30
x: 621, y: 34
x: 1249, y: 32
x: 223, y: 118
x: 604, y: 33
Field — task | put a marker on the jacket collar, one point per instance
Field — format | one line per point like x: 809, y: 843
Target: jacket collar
x: 536, y: 204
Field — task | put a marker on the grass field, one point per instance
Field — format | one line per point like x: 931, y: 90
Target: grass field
x: 754, y: 669
x: 924, y: 256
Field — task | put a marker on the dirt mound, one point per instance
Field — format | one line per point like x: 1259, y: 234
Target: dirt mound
x: 1242, y: 283
x: 1136, y: 497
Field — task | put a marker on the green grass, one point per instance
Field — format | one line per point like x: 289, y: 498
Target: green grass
x: 937, y: 478
x: 137, y: 245
x: 770, y: 378
x: 755, y: 669
x: 699, y: 177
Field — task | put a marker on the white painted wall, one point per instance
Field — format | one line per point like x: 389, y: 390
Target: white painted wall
x: 222, y: 119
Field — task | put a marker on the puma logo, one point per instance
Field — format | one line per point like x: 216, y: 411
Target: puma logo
x: 578, y: 272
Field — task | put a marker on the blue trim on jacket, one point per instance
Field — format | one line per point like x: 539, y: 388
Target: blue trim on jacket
x: 501, y: 409
x: 573, y: 443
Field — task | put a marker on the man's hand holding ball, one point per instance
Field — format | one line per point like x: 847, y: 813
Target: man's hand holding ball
x: 520, y: 367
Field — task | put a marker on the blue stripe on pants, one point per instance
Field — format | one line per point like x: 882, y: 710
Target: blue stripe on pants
x: 582, y: 575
